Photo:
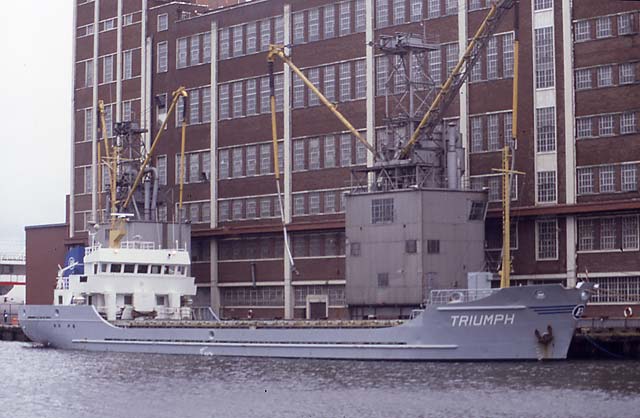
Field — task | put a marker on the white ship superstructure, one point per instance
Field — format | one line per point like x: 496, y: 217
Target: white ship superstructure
x: 12, y: 278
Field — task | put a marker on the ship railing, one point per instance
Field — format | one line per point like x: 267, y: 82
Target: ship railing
x: 446, y: 296
x: 138, y: 245
x: 13, y: 257
x: 13, y: 278
x: 203, y: 313
x: 90, y: 249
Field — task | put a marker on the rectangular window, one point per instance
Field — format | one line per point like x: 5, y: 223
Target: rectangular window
x: 345, y: 81
x: 606, y: 125
x: 477, y: 141
x: 629, y: 232
x: 546, y: 129
x: 180, y: 112
x: 252, y: 160
x: 206, y: 104
x: 163, y: 61
x: 298, y: 91
x: 493, y: 132
x: 279, y: 91
x: 251, y: 209
x: 206, y: 47
x: 382, y: 73
x: 545, y: 73
x: 298, y: 204
x: 508, y: 128
x: 252, y: 37
x: 298, y: 27
x: 495, y: 187
x: 265, y: 159
x: 492, y: 58
x: 88, y: 73
x: 546, y: 186
x: 329, y: 151
x: 161, y: 165
x: 586, y: 235
x: 345, y: 150
x: 547, y: 239
x: 237, y: 209
x: 398, y: 12
x: 627, y: 73
x: 223, y: 209
x: 194, y: 167
x: 88, y: 125
x: 265, y: 34
x: 238, y: 169
x: 416, y: 10
x: 194, y: 50
x: 451, y: 7
x: 583, y: 79
x: 383, y: 279
x: 329, y: 13
x: 206, y: 165
x: 298, y: 155
x: 625, y: 24
x: 361, y: 153
x: 314, y: 203
x: 329, y: 202
x: 127, y: 58
x: 163, y: 22
x: 107, y: 69
x: 381, y: 211
x: 314, y: 154
x: 181, y: 169
x: 583, y: 128
x: 108, y: 119
x: 279, y: 29
x: 238, y: 111
x: 382, y: 13
x: 603, y: 27
x: 435, y: 67
x: 330, y: 83
x: 223, y: 163
x: 181, y: 53
x: 251, y: 97
x: 585, y: 180
x: 607, y: 179
x: 345, y: 18
x: 607, y: 233
x: 361, y: 16
x: 452, y: 56
x: 582, y: 31
x: 361, y: 79
x: 542, y: 4
x: 223, y: 101
x: 434, y: 9
x: 314, y: 77
x: 629, y: 174
x: 194, y: 106
x: 627, y: 123
x: 265, y: 104
x: 314, y: 24
x: 433, y: 246
x: 88, y: 179
x: 604, y: 76
x: 476, y: 71
x: 265, y: 207
x: 507, y: 55
x: 238, y: 41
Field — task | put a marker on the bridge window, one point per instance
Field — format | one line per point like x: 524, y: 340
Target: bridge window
x: 116, y: 268
x: 129, y: 268
x: 143, y: 268
x: 155, y: 269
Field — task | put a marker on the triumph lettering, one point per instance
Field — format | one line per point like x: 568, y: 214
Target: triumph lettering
x: 482, y: 320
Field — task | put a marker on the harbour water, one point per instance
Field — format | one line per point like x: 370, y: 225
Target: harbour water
x: 53, y: 383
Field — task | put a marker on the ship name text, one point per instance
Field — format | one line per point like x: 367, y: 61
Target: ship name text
x: 482, y: 320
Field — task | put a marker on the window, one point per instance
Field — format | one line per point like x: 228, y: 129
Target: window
x: 435, y: 67
x: 547, y: 239
x: 194, y: 213
x: 223, y: 163
x: 223, y: 101
x: 345, y: 81
x: 475, y: 5
x: 163, y: 22
x: 127, y: 63
x: 416, y: 10
x: 476, y: 71
x: 180, y: 111
x: 546, y: 186
x: 477, y: 142
x: 181, y: 54
x: 329, y: 202
x: 265, y: 34
x: 583, y: 128
x: 314, y: 24
x: 265, y: 208
x: 583, y: 31
x: 433, y: 246
x: 238, y: 111
x: 383, y: 279
x: 163, y: 61
x: 625, y: 24
x: 298, y: 204
x: 361, y: 153
x: 629, y: 232
x: 238, y: 169
x: 361, y: 16
x: 628, y: 123
x: 88, y: 179
x: 206, y: 105
x: 495, y: 187
x: 252, y: 160
x: 507, y: 55
x: 252, y: 39
x: 206, y: 47
x: 88, y: 73
x: 194, y: 54
x: 314, y: 153
x: 265, y: 159
x: 586, y: 235
x: 194, y: 107
x: 585, y: 180
x: 434, y: 8
x: 329, y: 21
x: 279, y: 30
x: 298, y: 155
x: 546, y: 129
x: 493, y: 132
x: 382, y: 13
x: 354, y: 249
x: 194, y: 167
x: 298, y: 27
x: 206, y: 166
x: 224, y: 43
x: 251, y: 97
x: 607, y: 179
x: 237, y: 207
x: 452, y: 56
x: 345, y: 150
x: 451, y: 7
x: 606, y: 125
x: 238, y: 41
x: 345, y: 18
x: 627, y: 73
x: 107, y: 73
x: 607, y: 233
x: 298, y: 91
x: 279, y: 92
x: 583, y: 79
x: 398, y: 12
x: 477, y: 211
x: 508, y: 128
x: 108, y: 119
x: 181, y: 169
x: 603, y: 27
x: 492, y: 58
x: 629, y: 173
x: 251, y: 209
x: 545, y: 74
x: 161, y: 166
x: 329, y: 151
x: 330, y: 83
x: 542, y: 4
x: 382, y: 69
x: 223, y: 210
x: 314, y: 203
x: 381, y: 211
x: 361, y: 79
x: 604, y: 76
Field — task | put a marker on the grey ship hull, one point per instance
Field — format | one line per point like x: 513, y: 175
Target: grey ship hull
x: 501, y: 326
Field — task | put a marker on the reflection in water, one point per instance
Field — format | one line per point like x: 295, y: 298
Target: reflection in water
x: 53, y: 383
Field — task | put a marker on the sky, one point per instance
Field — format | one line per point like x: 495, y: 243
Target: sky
x: 35, y: 115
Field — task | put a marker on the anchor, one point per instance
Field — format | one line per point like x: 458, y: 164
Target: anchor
x: 546, y: 337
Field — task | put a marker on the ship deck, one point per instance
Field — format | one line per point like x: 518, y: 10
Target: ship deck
x: 254, y: 324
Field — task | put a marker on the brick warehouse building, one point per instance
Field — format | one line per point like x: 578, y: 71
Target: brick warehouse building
x: 575, y: 211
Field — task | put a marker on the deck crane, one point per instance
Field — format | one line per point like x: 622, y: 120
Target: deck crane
x: 118, y: 220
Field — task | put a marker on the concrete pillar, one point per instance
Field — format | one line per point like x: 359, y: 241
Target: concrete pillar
x: 288, y: 286
x: 371, y: 81
x: 213, y: 182
x: 463, y: 125
x: 94, y: 113
x: 118, y: 117
x: 72, y: 125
